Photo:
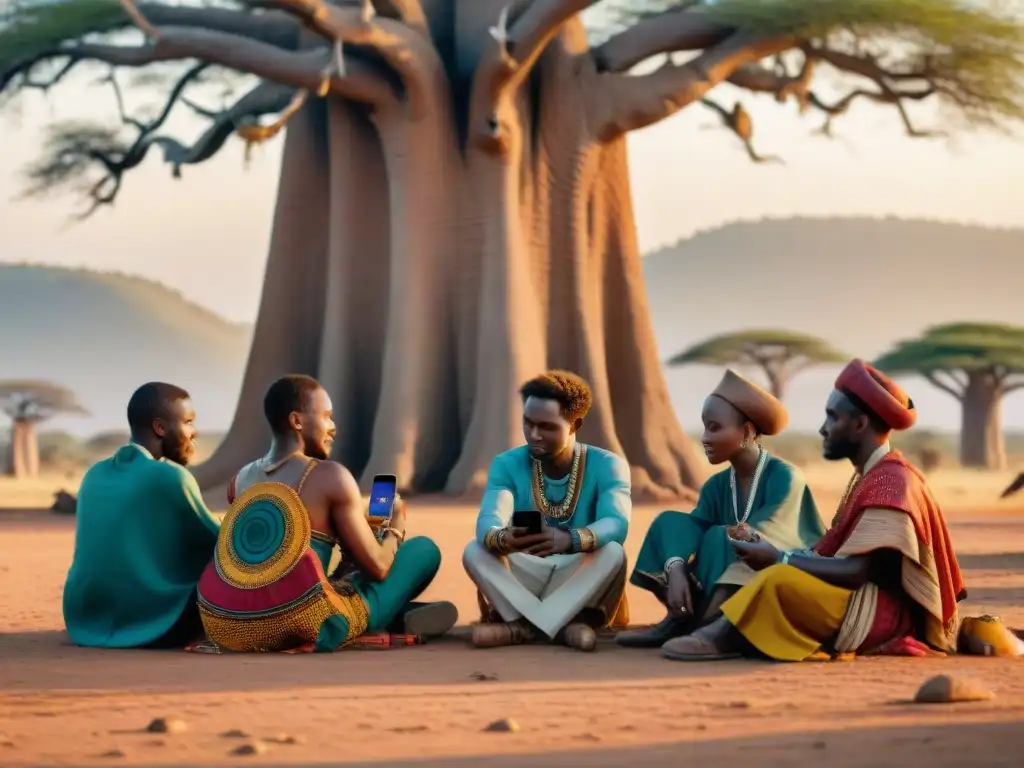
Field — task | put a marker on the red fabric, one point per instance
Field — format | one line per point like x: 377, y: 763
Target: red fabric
x: 904, y: 645
x: 306, y: 575
x: 894, y: 483
x: 381, y: 640
x: 893, y: 619
x: 879, y: 393
x: 231, y: 489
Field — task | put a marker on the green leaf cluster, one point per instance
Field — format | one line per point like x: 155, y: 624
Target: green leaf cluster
x: 973, y: 48
x: 735, y: 348
x: 958, y: 347
x: 29, y: 29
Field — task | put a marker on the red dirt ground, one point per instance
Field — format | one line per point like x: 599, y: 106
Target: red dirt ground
x: 61, y: 705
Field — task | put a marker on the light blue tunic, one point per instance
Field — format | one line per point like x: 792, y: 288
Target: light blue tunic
x: 604, y: 504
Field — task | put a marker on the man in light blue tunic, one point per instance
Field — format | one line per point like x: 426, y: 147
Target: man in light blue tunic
x: 568, y: 580
x: 142, y: 533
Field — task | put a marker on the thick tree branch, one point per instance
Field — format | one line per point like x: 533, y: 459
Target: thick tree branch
x: 301, y: 69
x: 409, y: 12
x: 272, y: 28
x: 934, y: 380
x: 677, y: 30
x: 518, y: 42
x: 634, y: 102
x: 1012, y: 385
x: 411, y: 54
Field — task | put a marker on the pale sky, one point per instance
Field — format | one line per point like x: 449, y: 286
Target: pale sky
x: 210, y: 229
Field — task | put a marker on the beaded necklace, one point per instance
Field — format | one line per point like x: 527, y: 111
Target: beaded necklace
x: 762, y: 458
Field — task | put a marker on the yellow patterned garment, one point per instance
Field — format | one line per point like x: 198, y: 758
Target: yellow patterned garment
x: 266, y: 589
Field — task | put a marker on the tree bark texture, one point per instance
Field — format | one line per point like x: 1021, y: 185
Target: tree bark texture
x: 982, y: 444
x: 423, y: 277
x: 22, y: 451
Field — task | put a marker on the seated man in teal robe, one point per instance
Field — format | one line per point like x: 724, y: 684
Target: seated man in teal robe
x: 686, y: 560
x: 142, y: 533
x: 568, y: 580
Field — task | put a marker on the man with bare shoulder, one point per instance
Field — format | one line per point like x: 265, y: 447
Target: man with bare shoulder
x: 268, y: 588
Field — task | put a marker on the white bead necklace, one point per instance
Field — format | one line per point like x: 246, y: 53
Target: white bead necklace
x: 762, y: 458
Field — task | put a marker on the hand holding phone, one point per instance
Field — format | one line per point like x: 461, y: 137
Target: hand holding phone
x: 529, y: 519
x: 382, y: 496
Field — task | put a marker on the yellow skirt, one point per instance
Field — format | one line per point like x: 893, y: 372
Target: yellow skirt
x: 786, y: 613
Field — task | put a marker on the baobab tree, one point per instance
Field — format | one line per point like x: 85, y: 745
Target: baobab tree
x: 454, y: 211
x: 978, y: 364
x: 26, y: 404
x: 780, y: 355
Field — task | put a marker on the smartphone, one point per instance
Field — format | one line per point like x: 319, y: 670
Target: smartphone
x: 382, y: 496
x: 530, y: 519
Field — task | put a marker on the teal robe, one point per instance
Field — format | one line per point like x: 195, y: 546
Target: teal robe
x: 142, y: 538
x: 784, y: 513
x: 604, y: 504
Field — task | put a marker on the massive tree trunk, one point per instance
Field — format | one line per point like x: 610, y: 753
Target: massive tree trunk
x: 982, y: 444
x: 777, y: 381
x: 23, y: 450
x: 422, y: 279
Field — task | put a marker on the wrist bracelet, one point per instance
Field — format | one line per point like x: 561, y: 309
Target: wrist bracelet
x: 783, y: 558
x: 671, y: 562
x: 400, y: 537
x: 576, y: 540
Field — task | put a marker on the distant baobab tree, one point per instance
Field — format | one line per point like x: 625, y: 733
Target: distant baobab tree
x: 977, y: 363
x: 779, y: 354
x: 26, y: 404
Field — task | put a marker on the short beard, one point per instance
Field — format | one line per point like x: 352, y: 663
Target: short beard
x: 312, y: 451
x: 840, y: 451
x: 176, y: 452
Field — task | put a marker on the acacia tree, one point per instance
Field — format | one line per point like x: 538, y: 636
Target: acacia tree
x: 454, y: 211
x: 26, y: 404
x: 977, y: 363
x: 780, y: 355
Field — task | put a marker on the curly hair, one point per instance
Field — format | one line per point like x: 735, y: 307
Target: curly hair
x: 570, y: 392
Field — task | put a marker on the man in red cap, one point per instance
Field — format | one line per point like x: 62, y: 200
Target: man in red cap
x: 884, y: 579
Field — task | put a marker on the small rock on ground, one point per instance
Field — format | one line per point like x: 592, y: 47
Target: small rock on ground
x: 235, y: 733
x: 110, y: 753
x: 6, y: 741
x: 167, y: 725
x: 283, y: 738
x: 505, y: 725
x: 943, y: 689
x: 252, y: 748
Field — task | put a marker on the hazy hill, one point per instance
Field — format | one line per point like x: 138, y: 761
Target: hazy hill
x: 104, y: 334
x: 861, y: 283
